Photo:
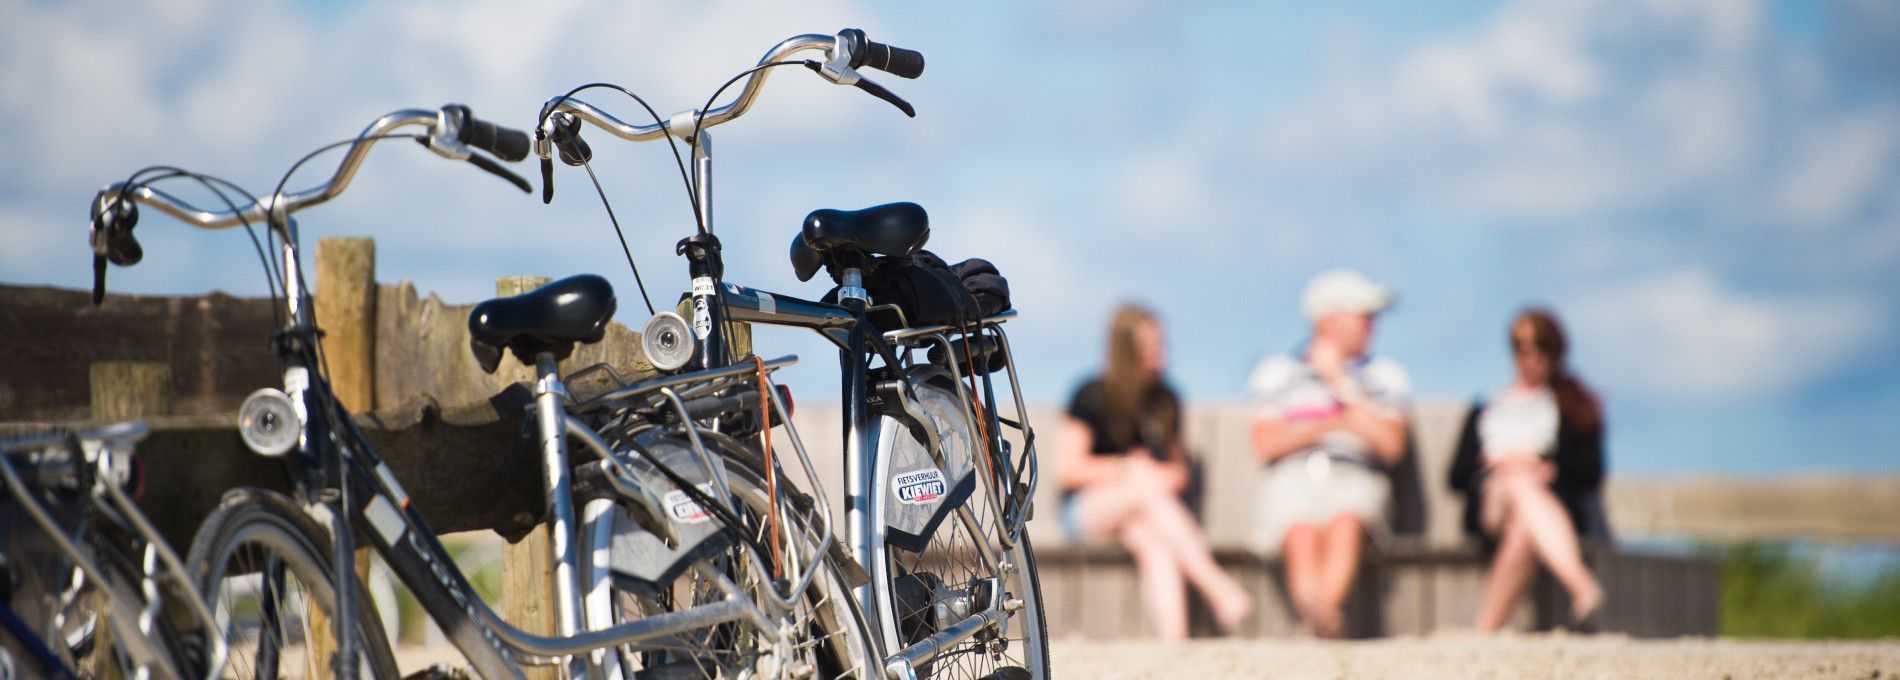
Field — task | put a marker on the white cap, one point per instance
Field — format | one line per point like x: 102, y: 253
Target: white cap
x: 1343, y: 290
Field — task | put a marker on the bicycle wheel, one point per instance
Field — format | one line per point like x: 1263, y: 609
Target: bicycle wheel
x: 942, y: 556
x: 263, y: 567
x: 829, y: 638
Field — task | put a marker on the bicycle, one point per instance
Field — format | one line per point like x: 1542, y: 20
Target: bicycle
x: 921, y: 445
x: 287, y: 561
x: 91, y: 588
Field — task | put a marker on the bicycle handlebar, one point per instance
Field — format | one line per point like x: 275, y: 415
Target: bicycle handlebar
x: 448, y: 137
x: 844, y: 53
x: 453, y: 130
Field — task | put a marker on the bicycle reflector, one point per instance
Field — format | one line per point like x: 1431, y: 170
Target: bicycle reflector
x: 668, y: 342
x: 268, y: 422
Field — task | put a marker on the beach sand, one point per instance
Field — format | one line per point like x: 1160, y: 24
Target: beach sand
x: 1469, y: 655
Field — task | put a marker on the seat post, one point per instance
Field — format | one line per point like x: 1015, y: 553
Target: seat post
x: 550, y: 414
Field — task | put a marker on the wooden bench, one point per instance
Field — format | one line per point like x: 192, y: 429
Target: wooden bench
x: 1412, y: 589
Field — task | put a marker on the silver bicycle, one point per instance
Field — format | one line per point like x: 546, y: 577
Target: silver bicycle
x: 938, y: 480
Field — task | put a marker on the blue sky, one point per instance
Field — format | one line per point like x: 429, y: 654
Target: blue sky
x: 1707, y: 190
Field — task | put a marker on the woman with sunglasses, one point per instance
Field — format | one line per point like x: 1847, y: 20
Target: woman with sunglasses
x: 1530, y: 463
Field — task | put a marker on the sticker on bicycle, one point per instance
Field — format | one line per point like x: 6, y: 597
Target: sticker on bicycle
x: 684, y: 509
x: 919, y: 487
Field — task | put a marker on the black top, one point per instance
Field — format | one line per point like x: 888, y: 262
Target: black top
x: 1579, y: 461
x: 1090, y: 405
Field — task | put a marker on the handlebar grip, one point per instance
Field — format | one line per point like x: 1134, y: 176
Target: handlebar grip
x: 896, y: 61
x: 506, y: 143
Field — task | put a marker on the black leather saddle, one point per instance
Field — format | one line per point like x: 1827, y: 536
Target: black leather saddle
x: 839, y: 236
x: 552, y: 318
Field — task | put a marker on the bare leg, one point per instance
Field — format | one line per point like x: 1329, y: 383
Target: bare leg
x: 1162, y: 589
x: 1300, y: 551
x: 1340, y: 546
x: 1532, y: 505
x: 1511, y: 571
x: 1182, y: 535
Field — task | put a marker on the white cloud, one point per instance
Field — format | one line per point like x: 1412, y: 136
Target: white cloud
x: 1682, y: 334
x: 1564, y: 109
x: 1838, y: 169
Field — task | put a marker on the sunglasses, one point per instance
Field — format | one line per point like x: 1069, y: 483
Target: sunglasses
x: 1519, y: 346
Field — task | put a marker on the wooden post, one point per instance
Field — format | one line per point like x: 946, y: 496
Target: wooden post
x: 346, y: 310
x: 122, y: 390
x: 345, y: 301
x: 527, y: 587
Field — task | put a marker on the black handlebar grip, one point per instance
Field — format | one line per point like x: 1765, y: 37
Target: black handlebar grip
x: 896, y: 61
x: 505, y: 143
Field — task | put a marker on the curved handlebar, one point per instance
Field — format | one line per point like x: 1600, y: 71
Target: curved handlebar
x: 285, y: 204
x: 681, y: 123
x: 452, y: 130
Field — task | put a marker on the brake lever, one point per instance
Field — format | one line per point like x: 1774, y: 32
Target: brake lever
x: 98, y: 280
x: 547, y: 181
x: 846, y: 77
x: 494, y: 168
x: 878, y: 91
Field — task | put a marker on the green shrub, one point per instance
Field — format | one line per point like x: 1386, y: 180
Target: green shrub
x: 1769, y: 592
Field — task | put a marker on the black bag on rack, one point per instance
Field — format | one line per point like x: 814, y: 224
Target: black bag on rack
x: 922, y: 285
x: 986, y: 284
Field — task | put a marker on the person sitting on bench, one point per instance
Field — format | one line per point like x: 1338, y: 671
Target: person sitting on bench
x: 1122, y: 467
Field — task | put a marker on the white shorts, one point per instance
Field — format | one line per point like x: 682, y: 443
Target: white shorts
x: 1312, y: 489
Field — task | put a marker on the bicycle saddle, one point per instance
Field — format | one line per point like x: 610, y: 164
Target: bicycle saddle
x: 892, y: 230
x: 552, y: 318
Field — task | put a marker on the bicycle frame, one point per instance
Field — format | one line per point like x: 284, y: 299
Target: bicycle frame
x: 373, y: 498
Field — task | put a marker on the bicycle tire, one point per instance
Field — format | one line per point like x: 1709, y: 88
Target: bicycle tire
x: 252, y: 527
x: 845, y: 647
x: 924, y: 583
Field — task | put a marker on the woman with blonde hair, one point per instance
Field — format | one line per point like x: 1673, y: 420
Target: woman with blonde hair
x: 1122, y: 467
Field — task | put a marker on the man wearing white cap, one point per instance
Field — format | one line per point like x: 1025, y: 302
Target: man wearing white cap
x: 1328, y: 424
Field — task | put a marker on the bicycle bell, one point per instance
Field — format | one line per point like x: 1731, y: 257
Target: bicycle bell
x: 268, y: 422
x: 668, y: 341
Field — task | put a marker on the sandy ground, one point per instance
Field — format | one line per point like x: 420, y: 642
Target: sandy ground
x: 1467, y: 655
x: 1447, y: 655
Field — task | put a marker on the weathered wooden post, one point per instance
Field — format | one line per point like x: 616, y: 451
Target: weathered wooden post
x: 123, y: 390
x: 526, y: 588
x: 346, y: 310
x: 345, y: 301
